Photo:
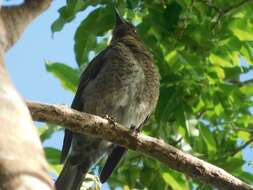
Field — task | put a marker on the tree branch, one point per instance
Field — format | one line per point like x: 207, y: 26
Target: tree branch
x: 235, y: 6
x: 241, y: 83
x: 250, y: 81
x: 14, y: 20
x: 221, y: 12
x: 22, y: 161
x: 240, y: 148
x: 96, y: 126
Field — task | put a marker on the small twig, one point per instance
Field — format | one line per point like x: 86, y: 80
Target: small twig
x: 240, y: 148
x: 222, y: 12
x: 212, y: 6
x: 241, y: 83
x: 246, y: 82
x: 175, y: 143
x: 235, y: 6
x: 248, y: 129
x: 200, y: 114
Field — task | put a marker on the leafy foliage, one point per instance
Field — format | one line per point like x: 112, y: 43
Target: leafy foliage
x: 67, y: 75
x: 204, y: 107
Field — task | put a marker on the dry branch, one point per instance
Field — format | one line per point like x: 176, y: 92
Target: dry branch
x: 176, y: 159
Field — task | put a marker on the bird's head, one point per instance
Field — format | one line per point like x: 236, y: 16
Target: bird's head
x: 122, y: 28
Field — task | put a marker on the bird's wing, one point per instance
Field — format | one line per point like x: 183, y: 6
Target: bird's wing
x: 115, y: 157
x: 90, y: 73
x: 66, y: 144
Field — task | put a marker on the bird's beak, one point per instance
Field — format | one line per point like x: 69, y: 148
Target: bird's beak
x: 119, y: 20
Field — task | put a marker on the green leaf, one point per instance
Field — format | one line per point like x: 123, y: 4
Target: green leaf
x: 169, y: 179
x: 244, y: 135
x: 55, y: 168
x: 247, y: 89
x: 246, y: 52
x: 162, y: 112
x: 174, y: 179
x: 58, y: 25
x: 233, y: 164
x: 85, y: 37
x: 67, y: 13
x: 224, y: 59
x: 157, y: 183
x: 242, y: 29
x: 52, y: 155
x: 47, y: 130
x: 243, y: 35
x: 218, y: 109
x: 176, y: 60
x: 245, y: 176
x: 207, y: 135
x: 171, y: 13
x: 68, y: 76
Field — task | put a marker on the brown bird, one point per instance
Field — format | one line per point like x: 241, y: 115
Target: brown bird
x: 120, y: 82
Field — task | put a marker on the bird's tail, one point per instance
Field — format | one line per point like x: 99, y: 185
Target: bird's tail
x: 71, y: 177
x: 111, y: 162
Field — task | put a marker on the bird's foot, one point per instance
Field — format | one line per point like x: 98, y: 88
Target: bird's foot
x: 134, y: 130
x: 111, y: 120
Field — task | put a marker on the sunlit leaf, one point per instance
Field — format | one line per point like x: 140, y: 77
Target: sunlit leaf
x: 68, y: 76
x: 67, y: 13
x: 208, y: 138
x: 52, y: 155
x: 47, y: 131
x: 85, y: 37
x: 242, y: 29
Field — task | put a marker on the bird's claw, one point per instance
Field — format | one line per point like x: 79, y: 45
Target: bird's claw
x: 134, y: 130
x: 110, y: 120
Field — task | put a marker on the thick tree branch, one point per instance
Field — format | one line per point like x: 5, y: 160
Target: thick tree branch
x: 93, y: 125
x: 14, y: 20
x: 22, y: 161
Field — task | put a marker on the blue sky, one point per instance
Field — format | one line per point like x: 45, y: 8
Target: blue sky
x: 25, y: 63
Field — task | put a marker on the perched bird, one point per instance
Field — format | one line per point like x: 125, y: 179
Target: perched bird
x: 120, y: 82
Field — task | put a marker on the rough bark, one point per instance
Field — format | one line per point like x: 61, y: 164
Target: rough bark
x: 14, y: 20
x: 176, y: 159
x: 22, y: 161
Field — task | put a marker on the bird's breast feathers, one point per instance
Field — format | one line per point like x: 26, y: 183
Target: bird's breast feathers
x: 120, y: 89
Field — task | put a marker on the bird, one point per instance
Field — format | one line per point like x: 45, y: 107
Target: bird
x: 121, y: 82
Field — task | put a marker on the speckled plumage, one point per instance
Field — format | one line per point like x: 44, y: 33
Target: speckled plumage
x: 120, y: 82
